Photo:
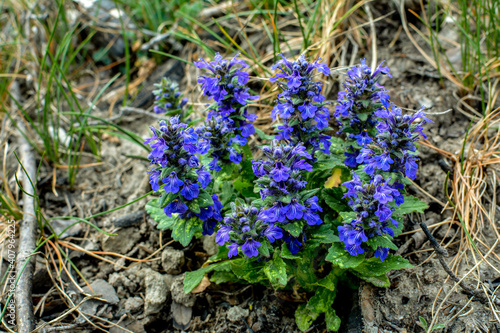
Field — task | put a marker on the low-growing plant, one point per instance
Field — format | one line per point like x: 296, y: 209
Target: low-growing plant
x: 316, y: 209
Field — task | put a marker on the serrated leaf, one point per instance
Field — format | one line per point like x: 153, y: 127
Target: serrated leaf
x: 328, y: 163
x: 308, y: 193
x: 375, y: 267
x: 264, y: 248
x: 184, y: 230
x: 244, y: 187
x: 337, y: 147
x: 322, y: 235
x: 227, y: 193
x: 330, y: 281
x: 340, y: 257
x: 192, y: 279
x: 294, y: 228
x: 204, y: 199
x: 164, y: 221
x: 258, y: 203
x: 411, y: 205
x: 321, y: 301
x: 381, y: 281
x: 304, y: 317
x: 263, y: 135
x: 348, y: 216
x: 167, y: 198
x: 333, y: 198
x: 223, y: 277
x: 332, y: 320
x: 194, y: 206
x: 285, y: 253
x: 275, y: 270
x: 248, y: 270
x: 382, y: 241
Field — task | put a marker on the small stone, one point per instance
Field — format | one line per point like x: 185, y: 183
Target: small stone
x: 178, y: 294
x: 257, y: 326
x: 172, y: 260
x: 181, y: 315
x: 101, y: 287
x: 209, y: 244
x: 134, y: 304
x: 123, y: 242
x: 156, y: 292
x: 236, y: 313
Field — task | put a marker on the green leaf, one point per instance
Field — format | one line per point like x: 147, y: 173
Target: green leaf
x: 294, y: 228
x: 194, y: 206
x: 381, y: 281
x: 438, y: 326
x: 244, y: 187
x: 332, y: 320
x: 411, y: 205
x: 276, y: 270
x: 308, y: 194
x: 363, y: 116
x: 192, y: 279
x: 227, y: 193
x: 223, y: 277
x: 375, y: 267
x: 258, y: 203
x: 423, y: 322
x: 383, y: 241
x: 322, y: 235
x: 333, y: 198
x: 264, y: 248
x: 157, y: 213
x: 340, y: 257
x: 184, y: 230
x: 328, y: 163
x: 338, y: 146
x: 248, y: 270
x: 330, y: 281
x: 263, y: 135
x: 166, y: 198
x: 204, y: 199
x: 348, y: 216
x: 285, y: 253
x: 304, y: 317
x: 321, y: 301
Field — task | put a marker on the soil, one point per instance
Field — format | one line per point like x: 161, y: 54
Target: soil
x: 145, y: 297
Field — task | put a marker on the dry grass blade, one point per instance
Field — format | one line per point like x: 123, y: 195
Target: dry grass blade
x: 472, y: 194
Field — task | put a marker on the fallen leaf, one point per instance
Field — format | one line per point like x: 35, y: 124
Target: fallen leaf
x: 334, y: 180
x: 205, y: 282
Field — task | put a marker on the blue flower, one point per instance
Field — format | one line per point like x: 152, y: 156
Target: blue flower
x: 203, y: 177
x: 172, y: 183
x: 153, y: 179
x: 381, y: 253
x: 295, y: 210
x: 292, y: 243
x: 273, y: 232
x: 190, y: 190
x: 223, y: 235
x: 233, y: 250
x: 176, y: 206
x: 234, y: 156
x: 280, y: 172
x: 250, y: 248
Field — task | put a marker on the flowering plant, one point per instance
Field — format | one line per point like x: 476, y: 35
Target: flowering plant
x: 313, y: 211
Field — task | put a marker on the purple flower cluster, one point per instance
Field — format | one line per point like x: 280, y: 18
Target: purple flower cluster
x: 361, y: 97
x: 227, y: 85
x: 173, y: 159
x: 371, y: 203
x: 395, y: 140
x: 244, y: 231
x: 216, y: 138
x: 168, y: 98
x: 301, y: 105
x: 282, y: 188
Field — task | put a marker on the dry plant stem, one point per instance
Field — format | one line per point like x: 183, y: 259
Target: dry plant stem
x: 27, y: 235
x: 441, y: 254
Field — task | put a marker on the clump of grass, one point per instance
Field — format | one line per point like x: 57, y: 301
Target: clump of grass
x: 476, y: 23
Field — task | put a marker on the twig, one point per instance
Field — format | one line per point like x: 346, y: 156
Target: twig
x: 441, y: 254
x: 28, y: 228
